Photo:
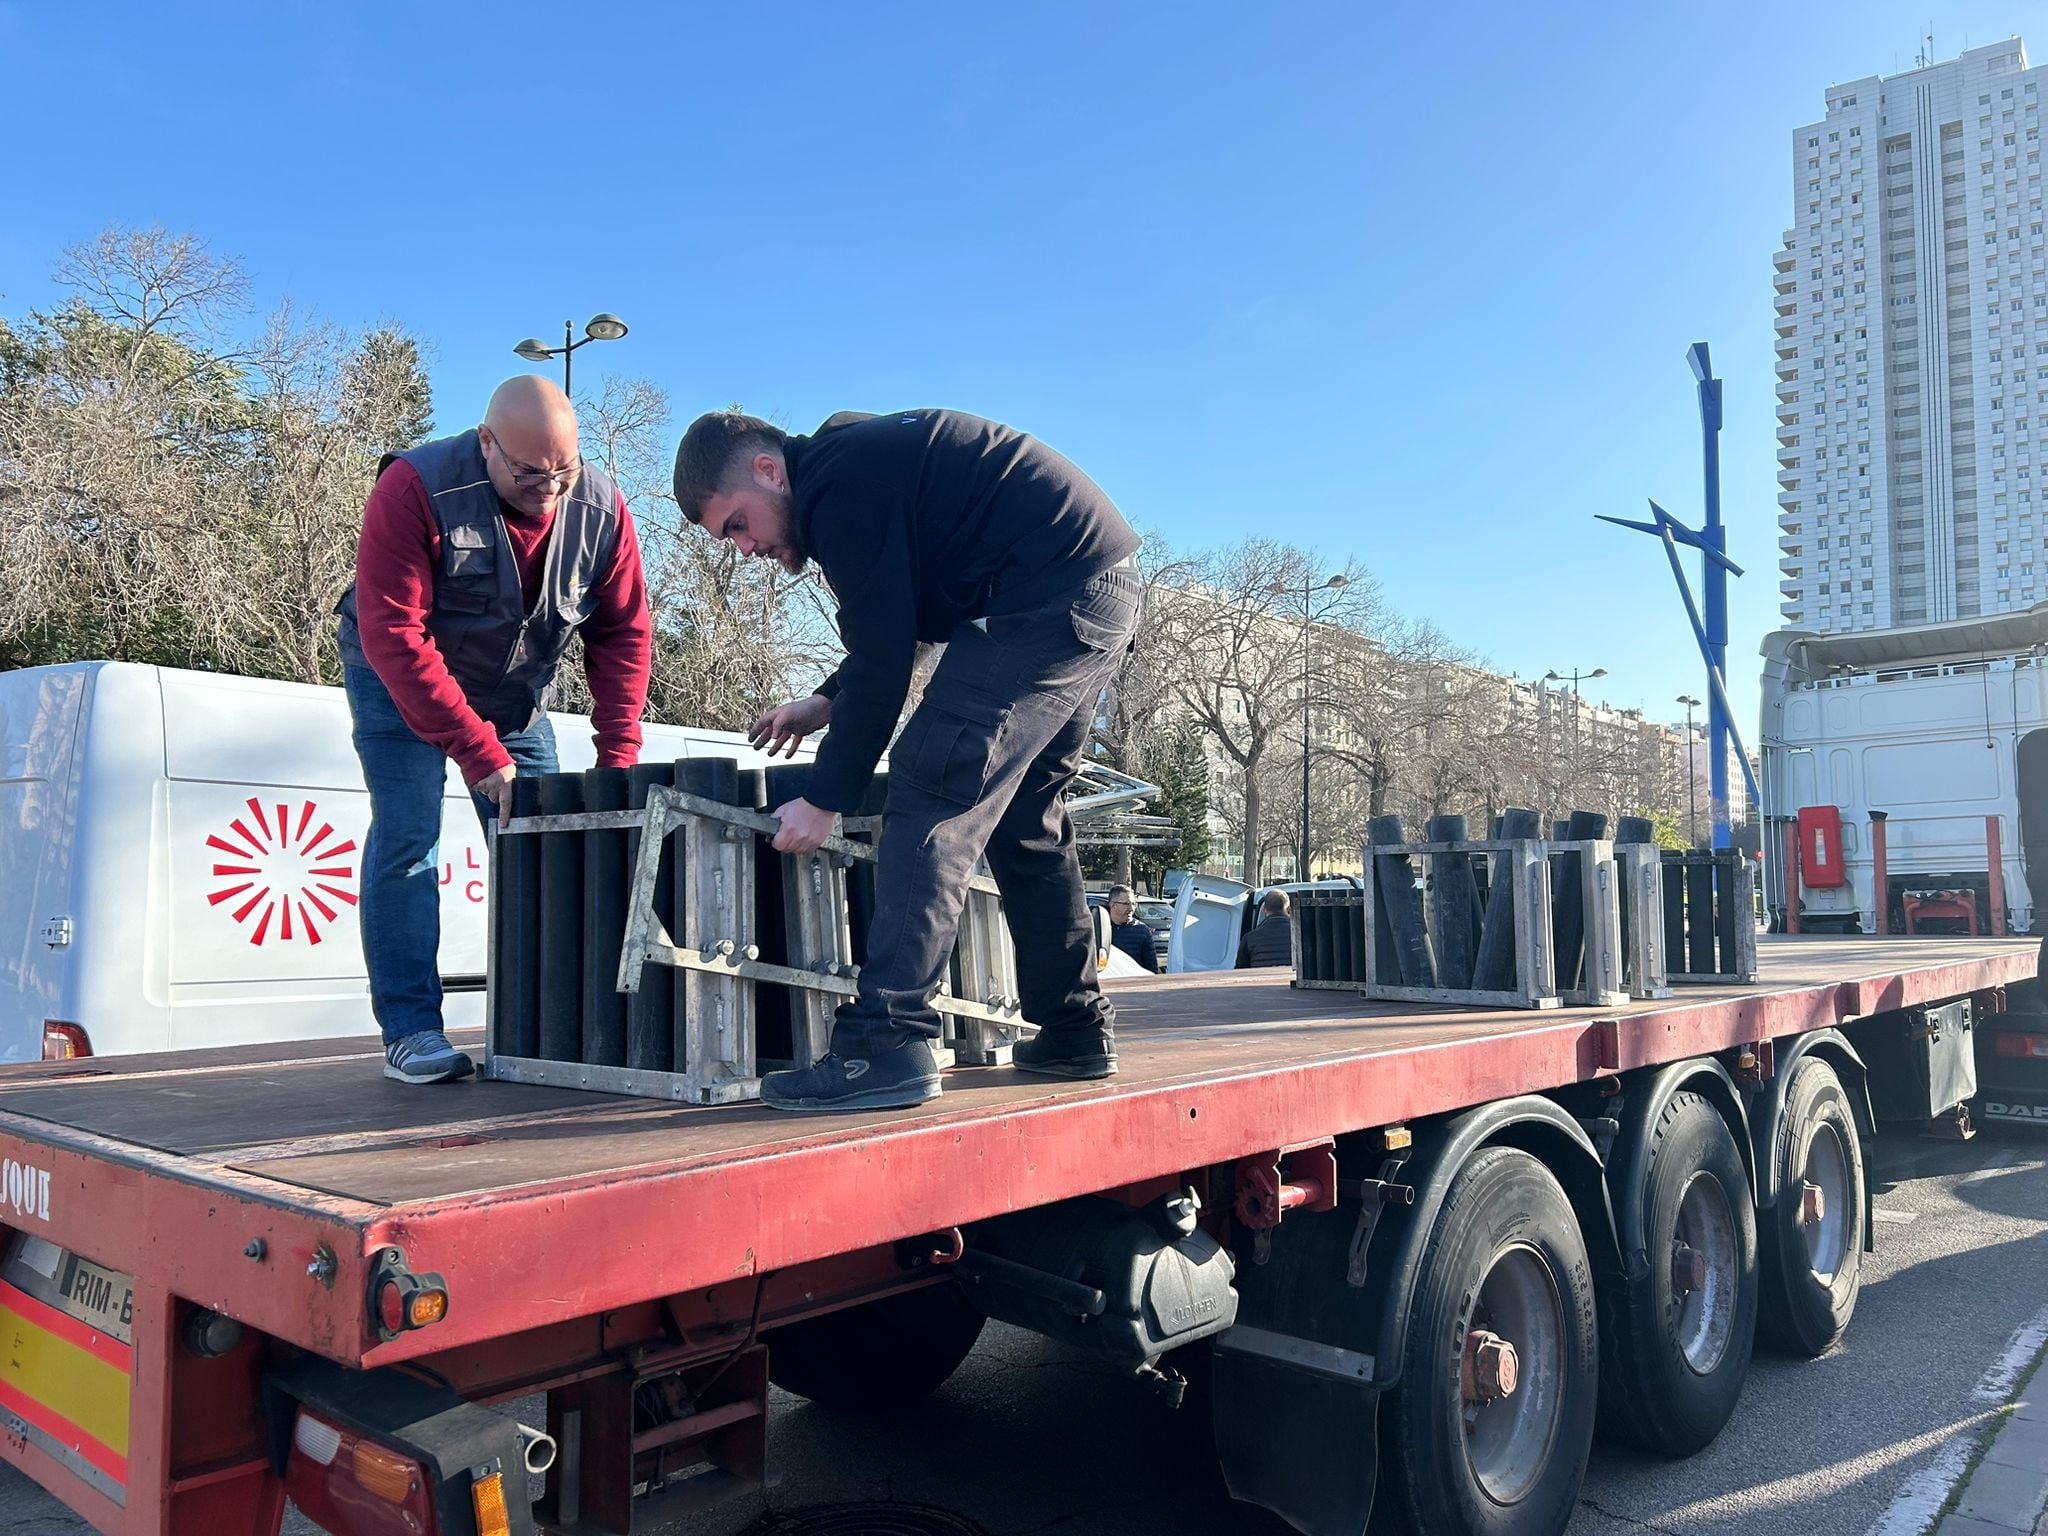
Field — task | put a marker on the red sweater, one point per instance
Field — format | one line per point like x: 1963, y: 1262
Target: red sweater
x: 395, y: 564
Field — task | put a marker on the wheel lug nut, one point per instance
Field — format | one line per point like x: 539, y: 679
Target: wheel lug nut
x: 1491, y: 1367
x: 1688, y: 1269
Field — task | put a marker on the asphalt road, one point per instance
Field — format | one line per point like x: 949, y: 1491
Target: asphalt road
x: 1030, y: 1438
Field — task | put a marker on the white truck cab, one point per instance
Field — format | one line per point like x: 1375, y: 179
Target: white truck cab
x: 181, y: 860
x: 1938, y: 726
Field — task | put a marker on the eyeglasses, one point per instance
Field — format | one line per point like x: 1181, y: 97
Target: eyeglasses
x: 524, y: 475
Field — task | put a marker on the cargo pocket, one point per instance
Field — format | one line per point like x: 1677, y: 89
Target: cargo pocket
x: 463, y: 599
x: 954, y: 745
x: 1103, y: 617
x: 469, y: 554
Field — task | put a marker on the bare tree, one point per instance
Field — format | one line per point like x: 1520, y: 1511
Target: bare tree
x: 262, y: 578
x: 731, y: 636
x: 1234, y: 631
x: 149, y: 283
x: 121, y: 425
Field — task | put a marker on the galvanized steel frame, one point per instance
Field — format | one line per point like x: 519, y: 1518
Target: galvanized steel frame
x: 720, y: 959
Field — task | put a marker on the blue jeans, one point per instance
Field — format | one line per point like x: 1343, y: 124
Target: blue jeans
x: 400, y: 912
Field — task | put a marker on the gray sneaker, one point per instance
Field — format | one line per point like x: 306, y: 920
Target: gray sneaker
x: 426, y: 1057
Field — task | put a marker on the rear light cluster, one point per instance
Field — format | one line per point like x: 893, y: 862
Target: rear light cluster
x: 2034, y: 1047
x: 347, y: 1485
x: 354, y: 1487
x: 64, y: 1042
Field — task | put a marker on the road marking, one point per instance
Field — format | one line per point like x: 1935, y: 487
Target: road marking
x: 1913, y: 1511
x: 1998, y: 1382
x: 1921, y: 1499
x: 1896, y: 1218
x: 2003, y: 1163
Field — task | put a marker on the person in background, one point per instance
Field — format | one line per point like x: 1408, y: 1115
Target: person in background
x: 1271, y: 941
x: 1126, y: 932
x: 481, y: 556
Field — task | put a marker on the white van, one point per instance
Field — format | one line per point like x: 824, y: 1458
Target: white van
x: 180, y: 857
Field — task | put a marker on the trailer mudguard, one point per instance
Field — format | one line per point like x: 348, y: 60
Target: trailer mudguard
x: 1536, y: 1124
x: 1767, y: 1114
x: 1295, y: 1410
x: 1645, y: 1095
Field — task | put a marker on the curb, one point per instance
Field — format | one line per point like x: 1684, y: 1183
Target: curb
x: 2006, y: 1493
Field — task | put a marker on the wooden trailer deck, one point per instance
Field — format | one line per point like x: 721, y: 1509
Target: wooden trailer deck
x: 542, y: 1205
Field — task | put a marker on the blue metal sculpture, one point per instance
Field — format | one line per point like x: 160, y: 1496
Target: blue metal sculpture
x: 1715, y: 569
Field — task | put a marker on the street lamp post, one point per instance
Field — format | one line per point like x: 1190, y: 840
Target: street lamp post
x: 1692, y: 814
x: 1308, y: 591
x: 602, y: 327
x: 1575, y: 675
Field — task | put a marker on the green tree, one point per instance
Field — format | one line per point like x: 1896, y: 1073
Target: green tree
x: 170, y: 496
x: 1176, y: 762
x: 387, y: 402
x: 1667, y: 828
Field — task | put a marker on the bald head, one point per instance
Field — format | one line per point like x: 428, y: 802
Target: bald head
x: 529, y: 441
x: 528, y: 405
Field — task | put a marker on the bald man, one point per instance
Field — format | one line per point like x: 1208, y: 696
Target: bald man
x: 481, y: 556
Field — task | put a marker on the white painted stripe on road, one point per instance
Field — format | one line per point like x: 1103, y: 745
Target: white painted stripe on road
x: 1896, y: 1218
x: 2003, y: 1163
x: 1921, y: 1499
x: 1738, y: 1507
x: 1913, y: 1511
x: 1998, y: 1382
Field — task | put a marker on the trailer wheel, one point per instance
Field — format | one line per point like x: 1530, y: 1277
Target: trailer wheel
x: 1676, y: 1343
x: 880, y: 1355
x: 1811, y: 1241
x: 1489, y: 1429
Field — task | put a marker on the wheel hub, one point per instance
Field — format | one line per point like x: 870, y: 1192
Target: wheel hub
x: 1824, y: 1203
x: 1688, y: 1269
x: 1512, y: 1373
x: 1491, y: 1367
x: 1705, y: 1274
x: 1813, y: 1204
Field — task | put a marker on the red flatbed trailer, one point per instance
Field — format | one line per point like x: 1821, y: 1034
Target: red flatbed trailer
x: 591, y: 1245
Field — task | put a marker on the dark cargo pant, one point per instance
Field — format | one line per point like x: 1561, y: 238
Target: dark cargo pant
x: 980, y: 767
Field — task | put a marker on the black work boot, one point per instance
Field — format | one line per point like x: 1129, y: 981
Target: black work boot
x: 1089, y: 1051
x: 895, y: 1079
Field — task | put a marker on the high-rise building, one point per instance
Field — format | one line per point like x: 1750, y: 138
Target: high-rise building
x: 1912, y: 301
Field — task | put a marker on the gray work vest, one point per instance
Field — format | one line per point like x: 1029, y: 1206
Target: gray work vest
x: 503, y: 656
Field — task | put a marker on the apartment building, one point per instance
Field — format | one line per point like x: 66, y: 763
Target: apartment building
x: 1912, y: 350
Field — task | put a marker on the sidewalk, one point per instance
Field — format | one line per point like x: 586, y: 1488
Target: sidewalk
x: 2007, y: 1492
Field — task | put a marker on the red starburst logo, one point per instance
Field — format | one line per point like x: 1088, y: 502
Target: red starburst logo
x: 280, y: 874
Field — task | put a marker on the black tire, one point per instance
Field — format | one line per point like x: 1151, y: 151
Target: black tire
x: 881, y: 1355
x: 1811, y: 1274
x: 1672, y: 1361
x: 1448, y: 1468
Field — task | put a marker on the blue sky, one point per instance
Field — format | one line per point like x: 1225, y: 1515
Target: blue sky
x: 1408, y: 284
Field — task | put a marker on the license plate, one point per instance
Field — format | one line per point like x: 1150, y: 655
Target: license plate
x: 97, y: 1296
x: 67, y: 1333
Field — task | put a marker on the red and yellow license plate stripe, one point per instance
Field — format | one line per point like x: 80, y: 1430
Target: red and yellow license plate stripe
x: 66, y: 1378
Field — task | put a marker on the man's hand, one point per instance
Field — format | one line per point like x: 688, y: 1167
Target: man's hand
x: 498, y: 786
x: 784, y: 727
x: 804, y: 827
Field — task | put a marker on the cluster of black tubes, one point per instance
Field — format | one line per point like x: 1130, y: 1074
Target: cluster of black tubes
x: 1463, y: 937
x: 561, y: 908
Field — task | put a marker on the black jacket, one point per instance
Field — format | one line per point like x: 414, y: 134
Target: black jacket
x: 920, y: 521
x: 1271, y: 941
